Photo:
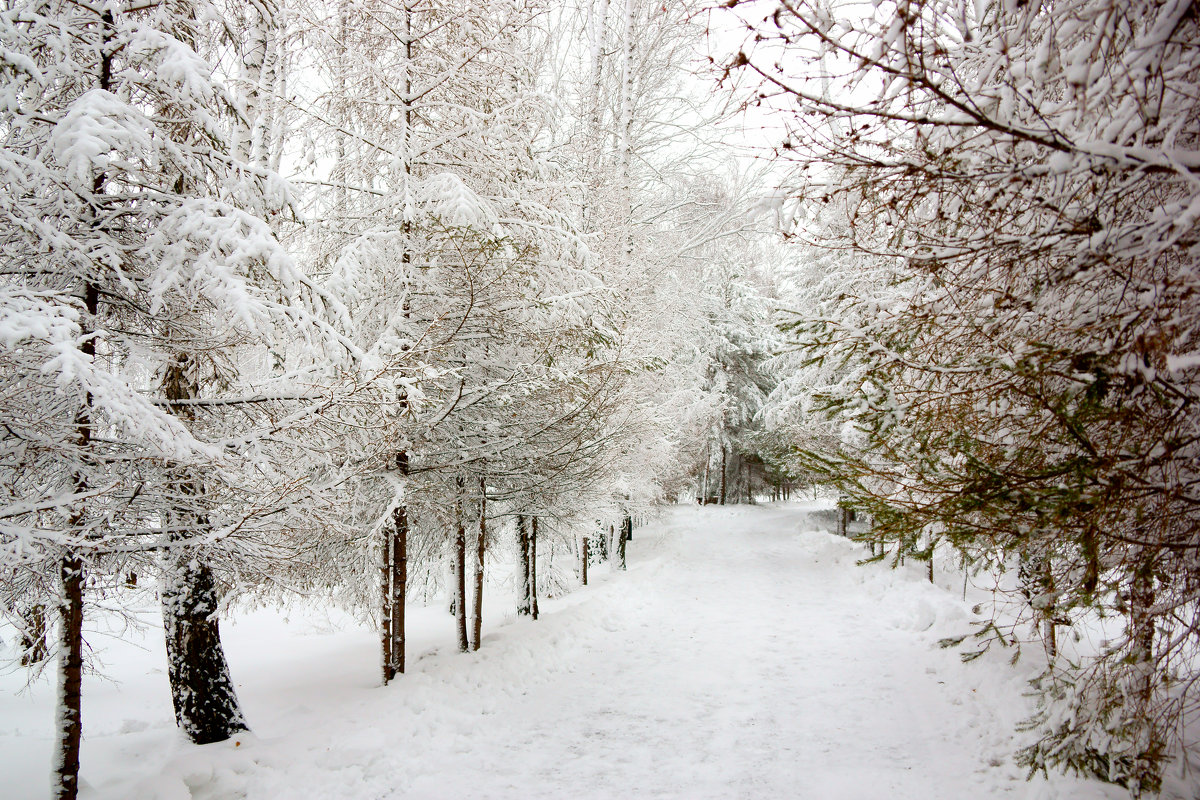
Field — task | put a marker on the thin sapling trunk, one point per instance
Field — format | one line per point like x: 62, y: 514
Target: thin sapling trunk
x: 524, y: 594
x: 533, y: 536
x: 460, y: 570
x: 480, y: 552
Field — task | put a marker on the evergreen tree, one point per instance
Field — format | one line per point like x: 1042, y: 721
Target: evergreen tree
x: 1023, y: 383
x: 138, y: 266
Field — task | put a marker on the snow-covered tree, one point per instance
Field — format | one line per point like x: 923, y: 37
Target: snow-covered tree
x: 445, y: 230
x: 1027, y: 383
x: 142, y: 291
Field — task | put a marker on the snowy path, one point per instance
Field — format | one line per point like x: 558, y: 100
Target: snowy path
x: 739, y: 657
x: 742, y: 661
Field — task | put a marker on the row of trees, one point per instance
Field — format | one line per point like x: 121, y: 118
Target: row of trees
x: 997, y: 209
x: 466, y: 310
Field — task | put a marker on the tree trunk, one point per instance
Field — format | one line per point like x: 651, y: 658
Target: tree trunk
x: 202, y: 691
x: 1091, y: 556
x: 625, y: 130
x: 33, y: 634
x: 385, y: 605
x: 723, y: 476
x: 399, y: 582
x: 533, y: 568
x: 396, y: 553
x: 480, y: 551
x: 251, y: 138
x: 626, y: 534
x: 1141, y: 634
x: 206, y: 705
x: 524, y: 595
x: 460, y: 569
x: 583, y: 562
x: 394, y: 584
x: 70, y: 679
x: 70, y: 654
x: 595, y: 109
x: 1036, y: 580
x: 1050, y: 631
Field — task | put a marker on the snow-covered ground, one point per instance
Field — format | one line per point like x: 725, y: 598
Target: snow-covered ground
x: 743, y: 655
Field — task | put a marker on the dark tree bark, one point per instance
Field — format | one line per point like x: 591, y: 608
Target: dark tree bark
x: 533, y: 567
x: 1141, y: 632
x: 396, y: 566
x: 202, y: 692
x: 70, y: 654
x: 460, y: 570
x: 1091, y: 555
x: 480, y: 551
x: 385, y: 606
x: 33, y: 634
x: 70, y: 678
x: 393, y: 579
x: 524, y: 594
x: 625, y: 536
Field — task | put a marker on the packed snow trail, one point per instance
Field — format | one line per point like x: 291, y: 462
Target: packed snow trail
x: 743, y: 655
